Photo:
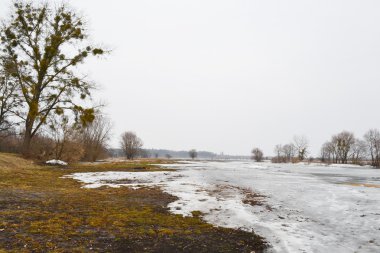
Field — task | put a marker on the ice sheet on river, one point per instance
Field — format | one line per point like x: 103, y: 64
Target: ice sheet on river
x: 307, y: 208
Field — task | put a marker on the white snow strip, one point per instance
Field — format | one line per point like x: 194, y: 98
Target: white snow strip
x: 312, y: 208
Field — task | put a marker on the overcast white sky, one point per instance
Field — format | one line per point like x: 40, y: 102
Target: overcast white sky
x: 226, y: 76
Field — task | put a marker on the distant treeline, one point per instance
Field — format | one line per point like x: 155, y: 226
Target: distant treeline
x: 342, y: 148
x: 165, y: 153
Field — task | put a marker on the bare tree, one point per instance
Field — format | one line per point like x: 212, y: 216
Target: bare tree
x: 278, y: 151
x: 333, y: 148
x: 130, y: 144
x: 168, y: 156
x: 343, y: 143
x: 66, y: 144
x: 372, y: 139
x: 342, y: 147
x: 328, y: 152
x: 358, y: 151
x: 193, y: 154
x: 257, y: 154
x: 95, y: 137
x: 61, y: 132
x: 289, y: 152
x: 301, y: 144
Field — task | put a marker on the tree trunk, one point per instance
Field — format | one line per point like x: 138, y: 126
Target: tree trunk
x: 26, y: 144
x: 27, y: 137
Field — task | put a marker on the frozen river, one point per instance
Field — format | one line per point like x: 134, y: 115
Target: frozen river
x: 301, y: 208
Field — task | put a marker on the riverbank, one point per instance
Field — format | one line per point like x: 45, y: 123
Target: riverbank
x: 40, y: 211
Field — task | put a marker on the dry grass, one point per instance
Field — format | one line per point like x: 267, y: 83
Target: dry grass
x: 363, y: 185
x: 42, y: 212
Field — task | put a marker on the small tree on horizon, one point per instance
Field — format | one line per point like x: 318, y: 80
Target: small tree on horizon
x: 193, y: 154
x: 131, y: 145
x: 301, y: 144
x: 289, y: 151
x: 372, y: 139
x: 343, y: 142
x: 358, y: 151
x: 257, y: 154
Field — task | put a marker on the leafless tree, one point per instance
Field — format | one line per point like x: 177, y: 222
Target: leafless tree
x: 284, y: 153
x: 168, y: 156
x: 301, y: 144
x: 358, y: 151
x: 328, y: 152
x: 257, y: 154
x: 68, y: 141
x: 193, y: 154
x: 324, y: 154
x: 95, y: 137
x: 343, y: 143
x: 289, y: 152
x: 130, y: 144
x: 66, y: 146
x: 372, y: 139
x: 278, y: 151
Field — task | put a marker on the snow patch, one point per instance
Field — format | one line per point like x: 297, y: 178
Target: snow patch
x: 56, y: 162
